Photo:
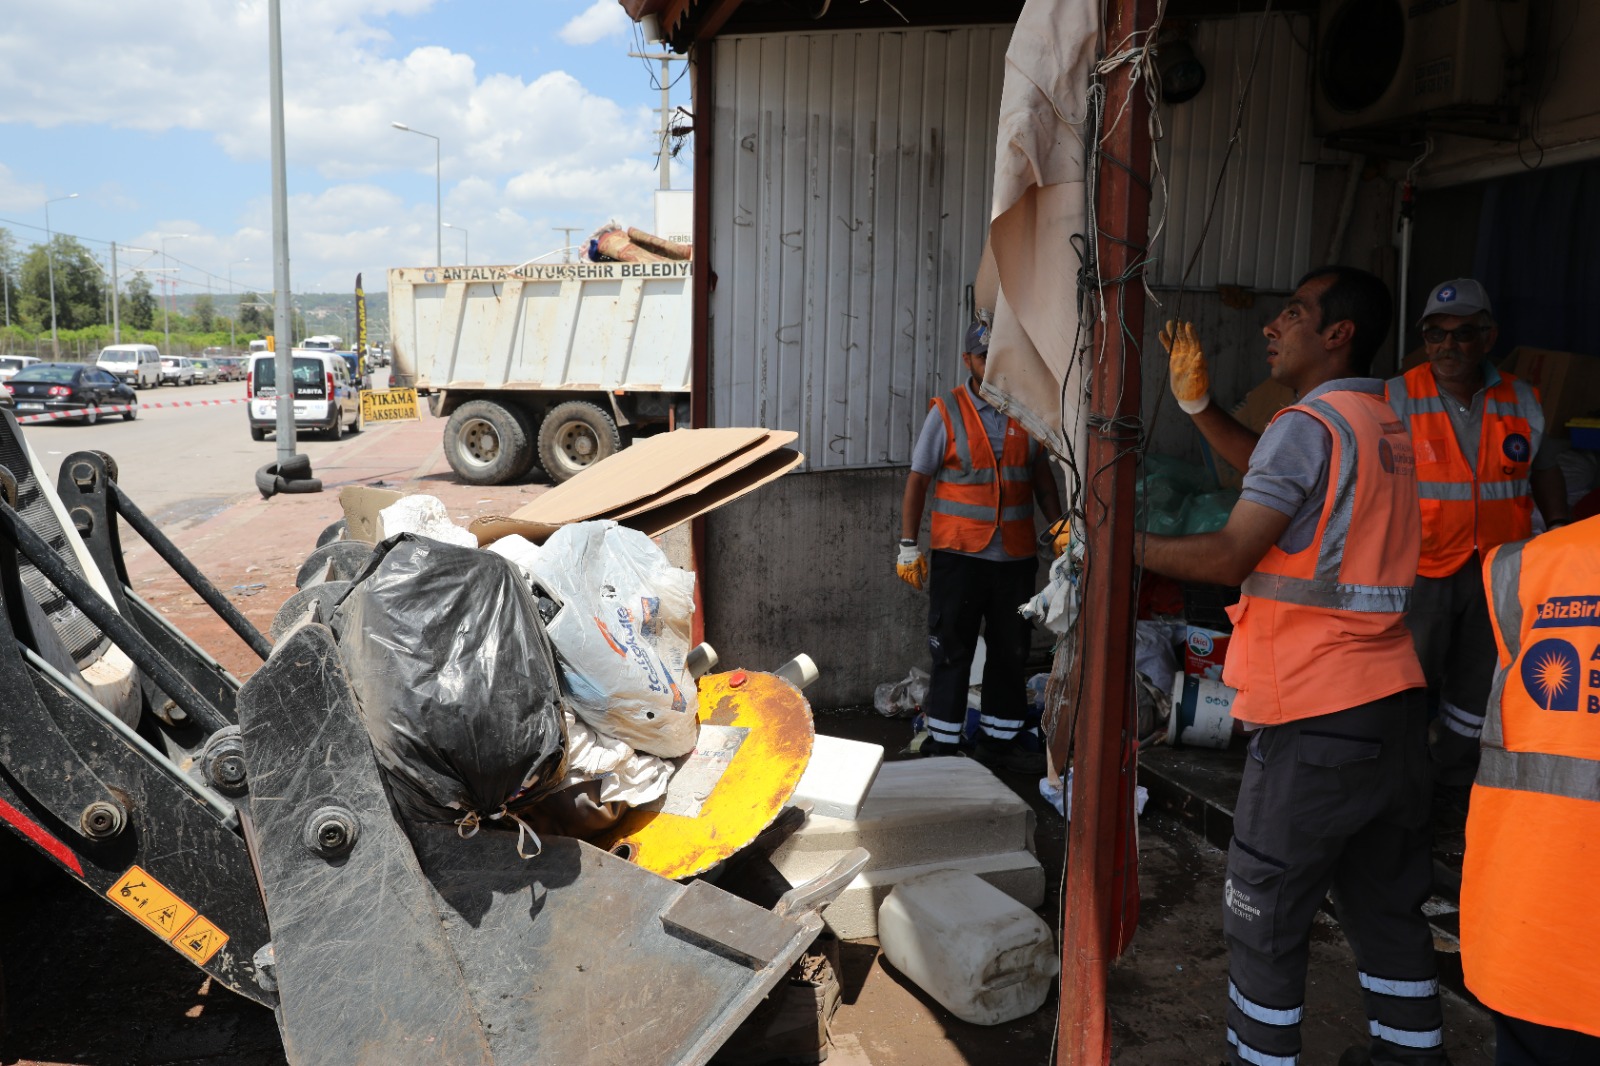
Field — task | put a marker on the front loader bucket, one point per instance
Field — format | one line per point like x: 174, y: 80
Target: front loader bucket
x: 437, y: 949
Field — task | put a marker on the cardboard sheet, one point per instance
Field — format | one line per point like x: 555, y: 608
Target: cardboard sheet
x: 647, y: 468
x: 712, y: 474
x: 361, y: 506
x: 1568, y: 383
x: 658, y: 520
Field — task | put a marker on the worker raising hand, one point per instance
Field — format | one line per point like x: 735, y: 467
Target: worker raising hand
x: 1186, y: 367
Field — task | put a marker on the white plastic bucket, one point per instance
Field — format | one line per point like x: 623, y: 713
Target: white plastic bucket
x: 1202, y: 712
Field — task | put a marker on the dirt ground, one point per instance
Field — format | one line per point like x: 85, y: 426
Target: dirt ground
x: 88, y: 987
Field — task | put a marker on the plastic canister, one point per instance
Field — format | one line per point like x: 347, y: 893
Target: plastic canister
x: 1202, y: 712
x: 984, y: 956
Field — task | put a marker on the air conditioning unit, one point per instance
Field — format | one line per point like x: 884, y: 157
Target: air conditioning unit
x: 1393, y: 65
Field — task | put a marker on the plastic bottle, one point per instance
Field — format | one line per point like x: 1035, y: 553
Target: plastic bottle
x: 984, y: 956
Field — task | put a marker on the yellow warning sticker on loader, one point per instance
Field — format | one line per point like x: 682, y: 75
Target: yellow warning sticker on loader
x: 151, y: 902
x: 200, y: 940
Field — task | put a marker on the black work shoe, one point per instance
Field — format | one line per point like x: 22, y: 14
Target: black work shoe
x: 1358, y: 1055
x: 1008, y: 756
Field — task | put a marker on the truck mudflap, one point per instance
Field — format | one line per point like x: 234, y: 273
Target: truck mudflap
x: 397, y: 947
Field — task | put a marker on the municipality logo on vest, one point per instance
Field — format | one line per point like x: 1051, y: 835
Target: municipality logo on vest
x: 1517, y: 448
x: 1550, y: 673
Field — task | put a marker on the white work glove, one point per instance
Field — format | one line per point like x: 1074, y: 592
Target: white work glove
x: 1186, y: 367
x: 912, y: 566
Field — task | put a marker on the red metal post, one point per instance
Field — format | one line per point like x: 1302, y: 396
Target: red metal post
x: 1101, y: 894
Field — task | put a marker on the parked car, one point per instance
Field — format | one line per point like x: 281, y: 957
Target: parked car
x: 10, y: 364
x: 72, y: 387
x: 230, y: 368
x: 359, y: 372
x: 138, y: 365
x: 206, y: 371
x: 176, y: 370
x: 325, y: 396
x: 5, y: 395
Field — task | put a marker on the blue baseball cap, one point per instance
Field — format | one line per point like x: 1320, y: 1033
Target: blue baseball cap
x: 977, y: 342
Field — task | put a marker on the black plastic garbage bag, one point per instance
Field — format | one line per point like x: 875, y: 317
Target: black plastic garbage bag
x: 456, y: 679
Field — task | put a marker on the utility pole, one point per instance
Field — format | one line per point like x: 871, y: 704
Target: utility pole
x: 1100, y: 896
x: 566, y: 237
x: 664, y: 160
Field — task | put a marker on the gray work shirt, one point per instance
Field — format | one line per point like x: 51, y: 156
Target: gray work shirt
x: 927, y: 457
x: 1289, y: 467
x: 1468, y: 423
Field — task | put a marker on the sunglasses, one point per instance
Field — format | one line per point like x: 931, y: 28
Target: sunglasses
x: 1462, y: 334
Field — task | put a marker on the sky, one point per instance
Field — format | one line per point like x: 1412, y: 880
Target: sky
x: 156, y: 113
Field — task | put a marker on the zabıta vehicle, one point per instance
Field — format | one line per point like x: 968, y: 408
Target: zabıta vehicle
x: 325, y: 397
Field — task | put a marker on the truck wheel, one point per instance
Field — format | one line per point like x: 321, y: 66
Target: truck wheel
x: 576, y: 435
x: 488, y: 443
x: 257, y: 433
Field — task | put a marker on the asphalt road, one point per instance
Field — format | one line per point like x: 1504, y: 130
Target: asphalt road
x: 186, y: 455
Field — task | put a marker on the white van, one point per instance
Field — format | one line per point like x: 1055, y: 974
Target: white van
x: 326, y: 398
x: 138, y: 365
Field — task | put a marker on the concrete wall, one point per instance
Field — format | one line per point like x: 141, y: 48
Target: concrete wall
x: 806, y: 564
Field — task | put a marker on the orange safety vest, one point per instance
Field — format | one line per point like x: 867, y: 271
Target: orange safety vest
x: 1467, y: 509
x: 1323, y: 629
x: 971, y: 497
x: 1529, y: 924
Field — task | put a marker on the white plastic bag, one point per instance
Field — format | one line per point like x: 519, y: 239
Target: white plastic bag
x: 622, y: 634
x: 903, y: 698
x: 426, y: 517
x: 625, y: 775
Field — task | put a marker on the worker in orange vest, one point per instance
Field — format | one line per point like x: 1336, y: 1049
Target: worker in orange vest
x: 1324, y: 541
x: 1529, y: 925
x: 985, y: 473
x: 1481, y: 465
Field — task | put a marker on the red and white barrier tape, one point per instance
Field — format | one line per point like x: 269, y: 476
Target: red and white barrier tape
x: 117, y: 409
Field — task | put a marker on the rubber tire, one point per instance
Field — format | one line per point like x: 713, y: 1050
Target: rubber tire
x: 361, y: 418
x: 132, y: 412
x: 568, y: 424
x: 488, y: 443
x: 91, y: 415
x: 257, y: 433
x: 335, y: 430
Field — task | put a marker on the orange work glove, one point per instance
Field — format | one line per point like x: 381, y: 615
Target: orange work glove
x: 1186, y: 367
x: 912, y: 566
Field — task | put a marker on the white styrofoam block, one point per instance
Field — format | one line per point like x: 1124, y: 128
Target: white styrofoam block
x: 855, y: 913
x: 917, y: 812
x: 839, y: 776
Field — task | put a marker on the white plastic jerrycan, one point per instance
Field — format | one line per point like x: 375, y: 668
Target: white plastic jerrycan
x: 984, y: 956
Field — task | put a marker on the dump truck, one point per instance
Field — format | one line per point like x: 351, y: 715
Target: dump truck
x: 554, y: 364
x: 251, y: 829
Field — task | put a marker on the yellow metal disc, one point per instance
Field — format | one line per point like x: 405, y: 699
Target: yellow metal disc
x: 755, y: 741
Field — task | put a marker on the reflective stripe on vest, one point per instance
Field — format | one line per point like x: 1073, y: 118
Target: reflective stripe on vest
x: 1470, y: 504
x: 1325, y: 589
x: 1322, y: 629
x: 974, y: 493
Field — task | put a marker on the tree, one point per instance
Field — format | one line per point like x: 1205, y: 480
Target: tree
x: 140, y: 309
x: 8, y: 276
x: 79, y: 298
x: 205, y: 312
x: 252, y: 317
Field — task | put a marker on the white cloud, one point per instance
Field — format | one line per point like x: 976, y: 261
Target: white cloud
x: 600, y: 20
x: 519, y: 155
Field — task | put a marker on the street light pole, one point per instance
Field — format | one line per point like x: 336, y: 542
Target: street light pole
x: 50, y: 266
x: 233, y: 319
x: 438, y: 193
x: 466, y: 244
x: 166, y: 322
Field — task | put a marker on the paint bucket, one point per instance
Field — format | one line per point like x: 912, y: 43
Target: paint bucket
x: 1202, y: 712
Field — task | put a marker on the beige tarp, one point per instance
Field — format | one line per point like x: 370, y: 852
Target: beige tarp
x: 1030, y: 272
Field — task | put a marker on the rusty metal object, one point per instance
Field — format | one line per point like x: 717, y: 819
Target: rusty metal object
x: 614, y: 244
x: 755, y: 742
x: 660, y: 245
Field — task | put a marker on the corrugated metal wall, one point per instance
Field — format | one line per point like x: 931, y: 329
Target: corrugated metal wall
x: 852, y: 184
x: 1260, y: 233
